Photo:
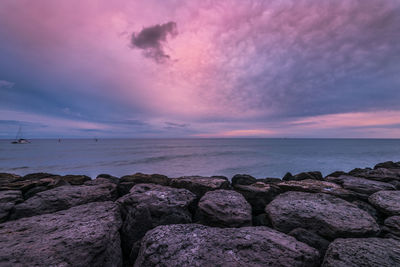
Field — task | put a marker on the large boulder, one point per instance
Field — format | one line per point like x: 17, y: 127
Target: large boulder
x: 258, y: 195
x: 310, y: 238
x: 63, y: 197
x: 355, y: 252
x: 388, y: 165
x: 128, y: 181
x: 197, y: 245
x: 6, y: 178
x: 75, y: 179
x: 243, y: 179
x: 386, y: 201
x: 378, y: 174
x: 326, y: 215
x: 224, y: 208
x: 303, y: 176
x: 199, y: 185
x: 8, y: 199
x: 392, y: 225
x: 317, y: 186
x: 34, y: 184
x: 363, y: 187
x: 85, y: 235
x: 150, y: 205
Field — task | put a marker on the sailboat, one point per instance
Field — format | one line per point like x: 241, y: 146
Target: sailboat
x: 19, y: 139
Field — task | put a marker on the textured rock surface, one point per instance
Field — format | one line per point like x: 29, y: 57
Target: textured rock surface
x: 243, y: 179
x: 34, y: 184
x: 197, y: 245
x: 150, y: 205
x: 392, y: 225
x: 200, y: 185
x: 224, y: 208
x: 356, y: 252
x: 85, y: 235
x: 128, y: 181
x: 316, y: 186
x: 363, y: 187
x: 76, y: 179
x: 386, y: 201
x: 303, y: 176
x: 388, y: 165
x: 379, y: 174
x: 63, y: 197
x: 8, y: 199
x: 323, y: 214
x: 312, y: 239
x: 258, y: 195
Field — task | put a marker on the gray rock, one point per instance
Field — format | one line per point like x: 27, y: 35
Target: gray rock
x: 200, y: 185
x: 326, y: 215
x: 29, y: 187
x: 85, y: 235
x: 379, y: 174
x: 243, y: 179
x: 386, y: 201
x: 8, y: 199
x: 6, y: 178
x: 368, y: 208
x: 392, y: 225
x: 112, y: 179
x: 63, y: 197
x: 388, y: 165
x: 310, y: 238
x: 368, y: 252
x: 128, y: 181
x: 224, y: 208
x: 150, y: 205
x: 316, y: 186
x: 363, y: 187
x: 303, y: 176
x: 76, y: 179
x: 258, y: 195
x: 197, y: 245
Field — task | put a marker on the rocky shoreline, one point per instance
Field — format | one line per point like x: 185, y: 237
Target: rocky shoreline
x: 343, y: 219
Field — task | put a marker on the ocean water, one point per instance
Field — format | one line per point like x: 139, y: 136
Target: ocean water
x: 178, y: 157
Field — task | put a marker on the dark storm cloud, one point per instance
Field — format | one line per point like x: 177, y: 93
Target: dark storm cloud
x: 151, y: 40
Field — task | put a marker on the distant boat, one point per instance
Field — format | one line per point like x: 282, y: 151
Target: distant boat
x: 19, y: 139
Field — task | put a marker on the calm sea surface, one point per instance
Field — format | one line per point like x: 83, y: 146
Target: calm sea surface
x: 178, y: 157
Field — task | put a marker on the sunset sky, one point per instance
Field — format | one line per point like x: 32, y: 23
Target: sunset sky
x: 224, y: 68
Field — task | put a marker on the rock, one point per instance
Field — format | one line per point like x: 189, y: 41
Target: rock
x: 76, y: 179
x: 6, y: 178
x: 98, y: 181
x: 63, y: 197
x: 85, y: 235
x: 128, y: 181
x: 150, y: 205
x: 198, y: 245
x: 368, y: 208
x: 337, y: 174
x: 316, y: 186
x: 112, y: 179
x: 326, y: 215
x: 38, y: 176
x: 363, y: 187
x: 388, y: 165
x: 258, y: 195
x: 31, y: 187
x: 392, y: 225
x: 243, y: 179
x: 200, y: 185
x: 224, y: 208
x: 380, y: 174
x: 303, y: 176
x: 270, y: 180
x: 311, y: 239
x: 355, y: 252
x: 386, y: 201
x: 8, y: 199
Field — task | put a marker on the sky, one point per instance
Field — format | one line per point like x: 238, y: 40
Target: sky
x: 224, y: 68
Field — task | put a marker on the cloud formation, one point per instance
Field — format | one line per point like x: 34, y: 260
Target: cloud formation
x: 152, y: 39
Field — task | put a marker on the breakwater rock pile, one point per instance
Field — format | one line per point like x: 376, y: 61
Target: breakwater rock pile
x: 344, y: 219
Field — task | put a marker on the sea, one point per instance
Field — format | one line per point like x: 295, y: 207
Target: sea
x: 206, y: 157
